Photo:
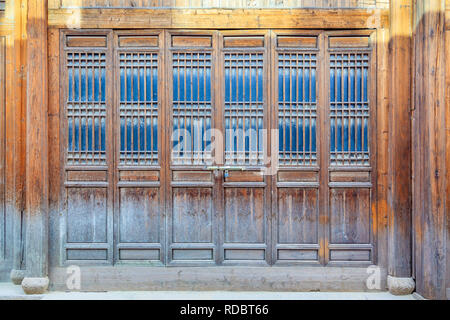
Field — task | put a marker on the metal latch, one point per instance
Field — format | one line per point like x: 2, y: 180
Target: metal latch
x: 226, y: 169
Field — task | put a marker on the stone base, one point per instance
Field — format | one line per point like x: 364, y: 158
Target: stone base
x: 17, y: 276
x: 35, y: 285
x: 400, y: 286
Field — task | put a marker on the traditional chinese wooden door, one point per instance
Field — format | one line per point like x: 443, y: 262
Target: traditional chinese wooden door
x: 218, y: 147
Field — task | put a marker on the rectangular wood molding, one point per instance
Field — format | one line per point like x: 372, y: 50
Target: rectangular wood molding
x: 243, y: 42
x: 191, y: 41
x: 138, y: 41
x: 85, y: 41
x: 350, y: 255
x: 349, y: 42
x: 142, y: 175
x: 342, y: 176
x: 192, y: 176
x: 298, y: 176
x: 86, y: 175
x: 139, y: 254
x: 297, y: 41
x: 244, y: 176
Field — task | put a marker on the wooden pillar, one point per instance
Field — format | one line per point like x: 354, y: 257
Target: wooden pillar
x: 399, y: 169
x: 429, y: 148
x: 36, y: 148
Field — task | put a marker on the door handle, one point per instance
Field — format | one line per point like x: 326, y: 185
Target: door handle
x: 225, y: 168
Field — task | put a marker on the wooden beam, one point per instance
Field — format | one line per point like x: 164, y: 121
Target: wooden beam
x: 447, y: 153
x: 429, y: 155
x: 399, y: 171
x: 219, y: 18
x: 36, y: 140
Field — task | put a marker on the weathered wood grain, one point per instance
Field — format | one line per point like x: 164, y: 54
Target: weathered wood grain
x: 399, y: 172
x: 219, y: 18
x: 220, y: 3
x: 429, y: 142
x: 37, y: 191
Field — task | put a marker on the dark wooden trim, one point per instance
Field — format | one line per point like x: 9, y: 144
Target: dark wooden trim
x: 219, y: 18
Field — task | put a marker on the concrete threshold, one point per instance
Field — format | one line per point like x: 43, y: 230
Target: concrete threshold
x: 8, y: 291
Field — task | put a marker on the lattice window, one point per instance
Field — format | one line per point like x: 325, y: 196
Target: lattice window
x: 191, y: 108
x: 86, y: 108
x: 138, y: 108
x: 297, y: 108
x: 349, y: 109
x: 244, y: 108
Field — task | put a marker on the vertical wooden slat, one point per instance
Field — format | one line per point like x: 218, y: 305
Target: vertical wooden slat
x: 37, y: 135
x: 2, y: 149
x: 54, y: 140
x: 429, y: 143
x: 447, y: 154
x: 382, y: 141
x: 399, y: 175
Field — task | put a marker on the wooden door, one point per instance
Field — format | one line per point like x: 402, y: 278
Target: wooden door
x: 87, y: 146
x: 298, y: 103
x: 218, y: 147
x: 193, y: 195
x: 244, y: 99
x: 351, y: 147
x: 324, y: 109
x: 139, y: 147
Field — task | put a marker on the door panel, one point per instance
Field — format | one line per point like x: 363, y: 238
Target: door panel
x: 351, y: 123
x: 87, y: 147
x: 87, y: 215
x: 298, y: 215
x: 192, y: 203
x: 139, y: 217
x: 192, y: 215
x: 297, y: 92
x: 139, y: 196
x: 244, y: 215
x: 245, y: 96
